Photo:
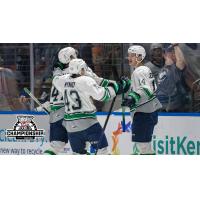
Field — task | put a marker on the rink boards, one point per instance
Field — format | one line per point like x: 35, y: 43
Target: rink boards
x: 175, y: 133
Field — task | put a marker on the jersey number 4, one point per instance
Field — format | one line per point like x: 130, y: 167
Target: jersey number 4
x: 56, y: 95
x: 75, y: 98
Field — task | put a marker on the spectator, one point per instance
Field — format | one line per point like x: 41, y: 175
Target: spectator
x: 156, y: 59
x: 170, y: 87
x: 9, y: 94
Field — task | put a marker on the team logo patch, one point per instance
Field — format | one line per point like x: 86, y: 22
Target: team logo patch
x: 25, y: 128
x: 163, y: 75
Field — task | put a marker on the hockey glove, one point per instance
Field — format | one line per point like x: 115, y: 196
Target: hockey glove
x: 120, y: 88
x: 126, y: 83
x: 45, y: 105
x: 131, y: 101
x: 117, y: 86
x: 128, y: 101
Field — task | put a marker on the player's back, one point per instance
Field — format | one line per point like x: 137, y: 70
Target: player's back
x: 57, y: 105
x: 75, y: 91
x: 79, y: 108
x: 57, y: 100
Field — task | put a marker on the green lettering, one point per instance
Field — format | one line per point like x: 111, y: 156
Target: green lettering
x: 198, y: 147
x: 154, y: 143
x: 160, y: 147
x: 172, y: 142
x: 180, y: 145
x: 166, y: 144
x: 191, y: 148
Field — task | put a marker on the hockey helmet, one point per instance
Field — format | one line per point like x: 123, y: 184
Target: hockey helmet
x: 76, y: 66
x: 138, y: 50
x: 66, y: 54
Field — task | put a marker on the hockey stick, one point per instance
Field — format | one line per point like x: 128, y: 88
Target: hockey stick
x: 122, y: 70
x: 123, y: 115
x: 36, y: 100
x: 109, y: 113
x: 108, y: 116
x: 105, y: 124
x: 146, y: 102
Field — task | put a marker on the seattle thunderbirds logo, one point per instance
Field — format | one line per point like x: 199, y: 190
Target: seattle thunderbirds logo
x: 25, y: 128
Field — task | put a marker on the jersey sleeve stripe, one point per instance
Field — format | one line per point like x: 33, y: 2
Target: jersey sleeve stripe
x: 104, y: 83
x: 106, y: 96
x: 147, y: 92
x: 135, y: 96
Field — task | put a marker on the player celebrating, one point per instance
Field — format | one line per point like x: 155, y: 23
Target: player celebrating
x: 143, y: 87
x: 80, y: 119
x: 58, y: 134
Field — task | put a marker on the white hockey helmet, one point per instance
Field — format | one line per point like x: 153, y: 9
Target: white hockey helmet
x: 76, y: 65
x: 138, y: 50
x: 66, y: 54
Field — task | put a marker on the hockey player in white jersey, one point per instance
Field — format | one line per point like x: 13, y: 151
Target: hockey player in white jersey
x: 80, y: 119
x: 143, y: 89
x: 58, y: 134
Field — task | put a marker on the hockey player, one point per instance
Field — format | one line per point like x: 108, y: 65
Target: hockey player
x: 80, y: 119
x: 58, y: 134
x: 143, y: 88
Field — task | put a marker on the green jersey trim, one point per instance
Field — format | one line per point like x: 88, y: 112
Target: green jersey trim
x: 76, y: 116
x: 104, y: 83
x: 147, y: 92
x: 106, y: 96
x: 135, y: 96
x: 56, y: 107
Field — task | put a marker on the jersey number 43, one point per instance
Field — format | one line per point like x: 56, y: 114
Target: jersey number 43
x: 72, y: 100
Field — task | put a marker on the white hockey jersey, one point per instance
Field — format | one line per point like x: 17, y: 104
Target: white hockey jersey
x: 56, y: 100
x: 56, y: 97
x: 78, y: 94
x: 143, y: 83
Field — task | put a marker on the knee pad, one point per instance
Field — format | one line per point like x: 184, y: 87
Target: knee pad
x: 143, y: 148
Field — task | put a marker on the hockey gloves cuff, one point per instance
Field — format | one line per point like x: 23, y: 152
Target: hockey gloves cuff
x: 117, y: 86
x: 131, y: 100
